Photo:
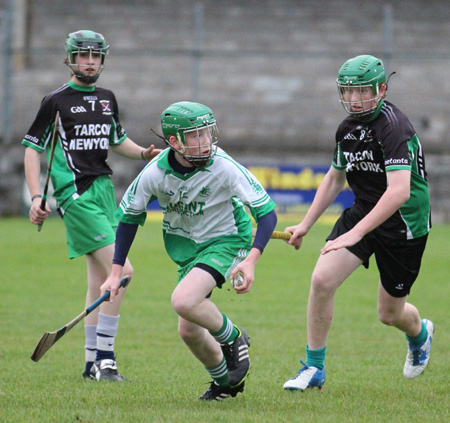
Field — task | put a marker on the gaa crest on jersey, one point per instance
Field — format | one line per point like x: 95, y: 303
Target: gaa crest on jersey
x: 106, y: 107
x: 78, y: 109
x: 365, y: 134
x: 204, y: 192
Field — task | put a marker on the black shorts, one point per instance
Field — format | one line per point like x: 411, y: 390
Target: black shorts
x: 218, y: 277
x: 398, y: 260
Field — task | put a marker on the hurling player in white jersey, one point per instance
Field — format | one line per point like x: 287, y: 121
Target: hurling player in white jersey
x: 207, y: 233
x: 379, y: 155
x: 89, y: 128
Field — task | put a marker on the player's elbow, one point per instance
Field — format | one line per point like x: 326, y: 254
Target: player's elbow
x: 400, y: 196
x: 403, y: 196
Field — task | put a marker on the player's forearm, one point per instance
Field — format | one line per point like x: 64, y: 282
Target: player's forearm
x: 32, y: 171
x: 396, y: 194
x: 266, y: 225
x: 388, y: 204
x: 124, y: 239
x: 116, y: 271
x: 129, y: 149
x: 328, y: 190
x: 253, y: 256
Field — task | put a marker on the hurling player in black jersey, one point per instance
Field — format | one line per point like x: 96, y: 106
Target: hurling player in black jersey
x: 81, y: 178
x: 380, y: 156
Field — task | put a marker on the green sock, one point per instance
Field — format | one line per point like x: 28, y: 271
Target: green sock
x: 220, y: 373
x: 420, y: 338
x: 227, y: 333
x: 316, y: 358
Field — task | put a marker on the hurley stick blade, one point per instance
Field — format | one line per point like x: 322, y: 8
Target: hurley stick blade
x: 46, y: 342
x: 50, y: 338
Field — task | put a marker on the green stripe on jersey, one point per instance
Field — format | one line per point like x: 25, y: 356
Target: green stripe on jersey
x: 416, y: 211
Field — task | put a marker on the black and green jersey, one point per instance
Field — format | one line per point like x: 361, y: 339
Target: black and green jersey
x: 367, y: 150
x: 89, y: 124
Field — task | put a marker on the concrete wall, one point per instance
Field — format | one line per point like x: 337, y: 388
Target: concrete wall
x: 267, y: 68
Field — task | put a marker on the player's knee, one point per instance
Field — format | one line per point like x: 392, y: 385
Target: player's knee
x: 181, y: 305
x: 322, y: 282
x: 387, y: 320
x: 387, y: 317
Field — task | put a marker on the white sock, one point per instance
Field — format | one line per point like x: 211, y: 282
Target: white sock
x: 106, y: 334
x: 90, y: 332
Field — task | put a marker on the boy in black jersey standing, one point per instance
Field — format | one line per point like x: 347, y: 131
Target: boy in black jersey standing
x: 89, y: 127
x: 379, y: 154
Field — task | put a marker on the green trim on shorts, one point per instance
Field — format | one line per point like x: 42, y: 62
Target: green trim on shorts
x: 90, y: 222
x: 223, y: 257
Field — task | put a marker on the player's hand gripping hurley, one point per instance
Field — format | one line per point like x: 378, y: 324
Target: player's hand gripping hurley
x: 238, y: 280
x: 49, y: 167
x: 50, y: 338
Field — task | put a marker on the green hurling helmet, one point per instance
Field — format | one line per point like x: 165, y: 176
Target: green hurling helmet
x: 85, y: 41
x: 183, y: 118
x: 357, y: 76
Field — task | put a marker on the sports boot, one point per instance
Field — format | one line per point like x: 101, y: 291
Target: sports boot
x: 307, y: 377
x: 237, y: 357
x: 418, y: 356
x: 105, y: 370
x: 218, y: 393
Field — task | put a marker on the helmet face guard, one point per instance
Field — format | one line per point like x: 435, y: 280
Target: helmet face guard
x: 358, y: 84
x: 199, y: 152
x: 88, y: 42
x: 195, y: 128
x: 359, y: 100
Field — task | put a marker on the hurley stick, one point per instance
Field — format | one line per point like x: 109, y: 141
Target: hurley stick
x: 50, y: 338
x: 49, y: 167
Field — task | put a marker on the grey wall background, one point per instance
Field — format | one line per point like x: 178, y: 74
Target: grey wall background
x: 267, y: 68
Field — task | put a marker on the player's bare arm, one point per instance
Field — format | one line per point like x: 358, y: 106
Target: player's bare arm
x: 331, y: 185
x: 32, y: 175
x: 131, y: 150
x: 396, y: 194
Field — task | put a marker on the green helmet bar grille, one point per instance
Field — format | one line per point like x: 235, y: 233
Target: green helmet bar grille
x: 358, y: 72
x: 85, y: 41
x: 185, y: 117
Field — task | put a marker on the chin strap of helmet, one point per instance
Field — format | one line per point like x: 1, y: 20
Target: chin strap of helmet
x: 167, y: 142
x: 389, y: 77
x: 87, y: 79
x: 373, y: 115
x: 159, y: 136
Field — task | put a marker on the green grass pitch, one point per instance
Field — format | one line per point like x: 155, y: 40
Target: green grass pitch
x: 42, y: 290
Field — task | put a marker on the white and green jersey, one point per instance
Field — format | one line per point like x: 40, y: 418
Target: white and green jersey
x: 200, y: 208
